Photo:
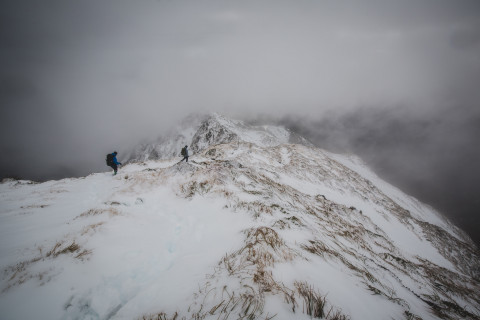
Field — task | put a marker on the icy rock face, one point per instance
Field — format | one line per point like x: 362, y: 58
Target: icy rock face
x: 214, y: 130
x: 252, y: 227
x: 218, y: 129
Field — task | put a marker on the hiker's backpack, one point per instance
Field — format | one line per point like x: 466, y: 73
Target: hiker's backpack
x: 109, y: 159
x: 184, y: 152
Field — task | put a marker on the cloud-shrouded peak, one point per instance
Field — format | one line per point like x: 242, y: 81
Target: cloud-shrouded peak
x: 202, y: 131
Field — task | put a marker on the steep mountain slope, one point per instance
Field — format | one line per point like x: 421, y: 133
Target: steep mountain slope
x: 201, y: 131
x: 253, y: 227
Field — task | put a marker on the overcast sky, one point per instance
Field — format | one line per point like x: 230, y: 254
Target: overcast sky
x: 396, y: 82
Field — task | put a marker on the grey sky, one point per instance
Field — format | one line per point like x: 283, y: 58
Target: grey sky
x: 80, y: 78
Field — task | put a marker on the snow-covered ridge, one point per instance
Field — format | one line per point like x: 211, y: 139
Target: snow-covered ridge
x: 265, y: 136
x: 200, y: 132
x: 243, y: 230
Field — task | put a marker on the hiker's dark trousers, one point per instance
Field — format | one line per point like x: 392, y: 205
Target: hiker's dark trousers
x: 184, y: 158
x: 115, y: 167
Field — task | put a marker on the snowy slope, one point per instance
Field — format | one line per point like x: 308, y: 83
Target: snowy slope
x: 252, y: 227
x: 201, y: 131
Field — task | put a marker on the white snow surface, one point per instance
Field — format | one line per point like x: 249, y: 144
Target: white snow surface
x: 193, y: 131
x: 265, y: 136
x: 234, y: 233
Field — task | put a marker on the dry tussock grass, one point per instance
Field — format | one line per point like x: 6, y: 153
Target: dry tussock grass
x: 263, y: 247
x: 319, y: 248
x: 448, y: 309
x: 439, y: 280
x: 443, y: 283
x: 244, y: 302
x: 250, y: 266
x: 388, y: 293
x: 463, y: 255
x: 281, y: 224
x: 72, y: 248
x: 97, y: 211
x: 364, y: 243
x: 19, y: 274
x: 263, y: 235
x: 256, y: 207
x: 57, y: 250
x: 411, y: 316
x: 245, y: 305
x: 315, y: 304
x: 161, y: 316
x: 193, y: 187
x: 91, y: 228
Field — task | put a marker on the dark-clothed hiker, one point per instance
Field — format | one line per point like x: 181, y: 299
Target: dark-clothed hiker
x: 112, y: 161
x: 185, y: 154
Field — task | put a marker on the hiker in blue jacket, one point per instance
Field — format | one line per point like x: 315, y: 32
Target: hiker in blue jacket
x: 113, y: 162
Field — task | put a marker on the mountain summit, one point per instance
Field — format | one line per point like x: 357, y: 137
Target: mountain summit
x: 200, y: 132
x: 259, y: 224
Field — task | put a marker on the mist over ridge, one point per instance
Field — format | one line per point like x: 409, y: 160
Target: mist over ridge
x: 393, y: 82
x: 256, y: 215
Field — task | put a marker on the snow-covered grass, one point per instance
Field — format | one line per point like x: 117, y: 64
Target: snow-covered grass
x: 242, y: 230
x: 145, y: 251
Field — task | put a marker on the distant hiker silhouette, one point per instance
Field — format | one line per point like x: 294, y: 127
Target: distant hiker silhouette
x: 184, y: 154
x: 112, y: 161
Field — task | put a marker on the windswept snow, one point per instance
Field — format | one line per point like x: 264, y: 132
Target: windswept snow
x: 251, y: 227
x: 145, y: 249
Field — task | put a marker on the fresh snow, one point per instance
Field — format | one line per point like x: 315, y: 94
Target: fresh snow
x: 153, y: 251
x: 235, y: 232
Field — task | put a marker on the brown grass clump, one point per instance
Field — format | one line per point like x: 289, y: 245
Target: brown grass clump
x: 257, y: 207
x: 448, y: 309
x: 91, y: 228
x: 313, y: 302
x: 249, y: 304
x: 264, y: 235
x: 250, y: 265
x: 256, y: 253
x: 161, y: 316
x: 337, y: 315
x: 411, y: 316
x: 19, y: 273
x: 194, y: 187
x: 96, y: 212
x: 55, y: 251
x: 317, y: 247
x: 244, y: 303
x: 91, y: 212
x: 288, y: 222
x: 82, y: 255
x: 315, y: 305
